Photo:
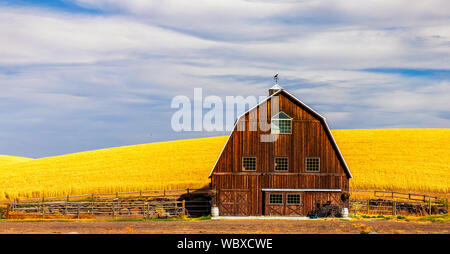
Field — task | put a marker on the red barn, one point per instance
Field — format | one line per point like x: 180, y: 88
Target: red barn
x: 301, y: 168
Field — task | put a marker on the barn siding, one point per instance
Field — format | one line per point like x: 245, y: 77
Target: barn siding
x: 308, y: 139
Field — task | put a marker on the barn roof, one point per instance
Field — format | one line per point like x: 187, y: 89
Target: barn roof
x: 314, y: 113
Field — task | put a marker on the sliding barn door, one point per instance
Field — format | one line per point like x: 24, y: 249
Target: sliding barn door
x: 234, y: 203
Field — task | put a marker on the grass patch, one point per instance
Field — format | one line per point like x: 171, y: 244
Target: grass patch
x: 436, y: 218
x: 208, y: 217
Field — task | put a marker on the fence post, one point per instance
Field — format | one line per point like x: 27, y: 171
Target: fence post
x: 67, y: 200
x: 394, y: 208
x: 429, y: 207
x: 78, y: 211
x: 368, y: 205
x: 42, y: 210
x: 65, y: 208
x: 183, y: 205
x: 8, y: 207
x: 188, y: 191
x: 144, y: 209
x: 164, y: 193
x: 113, y: 211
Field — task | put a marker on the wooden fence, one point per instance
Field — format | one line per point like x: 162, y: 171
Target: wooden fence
x: 400, y: 195
x: 395, y: 207
x: 168, y: 203
x: 143, y: 194
x: 113, y: 209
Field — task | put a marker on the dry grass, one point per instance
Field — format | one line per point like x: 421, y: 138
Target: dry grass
x: 391, y: 159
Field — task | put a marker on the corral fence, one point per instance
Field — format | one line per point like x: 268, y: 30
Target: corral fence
x: 400, y: 195
x: 139, y: 204
x: 197, y: 202
x: 396, y: 207
x: 64, y: 209
x: 391, y: 202
x: 143, y: 194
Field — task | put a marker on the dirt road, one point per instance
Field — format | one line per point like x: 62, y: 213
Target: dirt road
x: 224, y: 226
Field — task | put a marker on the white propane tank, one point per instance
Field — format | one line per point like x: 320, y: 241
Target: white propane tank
x: 214, y: 211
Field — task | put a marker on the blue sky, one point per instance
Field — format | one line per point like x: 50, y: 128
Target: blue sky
x: 79, y: 75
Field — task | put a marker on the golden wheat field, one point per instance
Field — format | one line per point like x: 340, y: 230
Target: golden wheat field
x: 390, y: 159
x: 6, y: 159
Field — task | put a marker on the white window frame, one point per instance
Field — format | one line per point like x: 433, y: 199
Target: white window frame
x: 282, y: 199
x: 296, y: 194
x: 306, y: 165
x: 256, y: 163
x: 274, y: 166
x: 275, y: 117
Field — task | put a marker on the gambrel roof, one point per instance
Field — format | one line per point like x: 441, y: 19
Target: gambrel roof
x: 314, y: 113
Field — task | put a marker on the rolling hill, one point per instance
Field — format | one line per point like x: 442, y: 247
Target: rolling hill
x: 7, y: 159
x: 390, y: 159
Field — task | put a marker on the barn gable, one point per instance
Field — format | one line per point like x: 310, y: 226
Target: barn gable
x: 289, y: 112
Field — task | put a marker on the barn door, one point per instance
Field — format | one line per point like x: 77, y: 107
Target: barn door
x: 293, y: 205
x: 234, y: 203
x: 284, y: 204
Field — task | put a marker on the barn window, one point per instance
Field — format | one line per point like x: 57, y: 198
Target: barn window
x: 275, y: 199
x: 248, y: 163
x: 312, y: 164
x: 293, y: 199
x: 281, y: 164
x: 281, y: 124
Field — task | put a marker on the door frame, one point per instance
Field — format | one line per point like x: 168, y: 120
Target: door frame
x: 282, y: 209
x: 237, y: 207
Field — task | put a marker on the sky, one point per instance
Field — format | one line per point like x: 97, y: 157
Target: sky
x: 79, y: 75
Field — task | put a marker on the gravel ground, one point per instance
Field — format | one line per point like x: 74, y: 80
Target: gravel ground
x: 224, y: 226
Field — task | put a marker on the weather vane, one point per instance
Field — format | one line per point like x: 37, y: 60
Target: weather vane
x: 276, y: 78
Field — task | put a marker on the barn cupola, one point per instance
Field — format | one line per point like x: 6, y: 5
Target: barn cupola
x: 274, y: 89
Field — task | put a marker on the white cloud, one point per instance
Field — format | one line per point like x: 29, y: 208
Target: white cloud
x: 108, y: 74
x: 39, y: 37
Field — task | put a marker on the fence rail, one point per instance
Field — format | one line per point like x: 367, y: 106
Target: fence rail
x: 395, y: 207
x: 115, y: 195
x: 136, y: 209
x: 166, y: 203
x: 401, y: 195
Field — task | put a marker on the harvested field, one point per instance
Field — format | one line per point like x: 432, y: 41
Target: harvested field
x: 406, y: 160
x: 226, y: 227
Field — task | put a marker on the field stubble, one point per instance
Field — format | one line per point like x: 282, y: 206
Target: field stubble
x: 408, y: 160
